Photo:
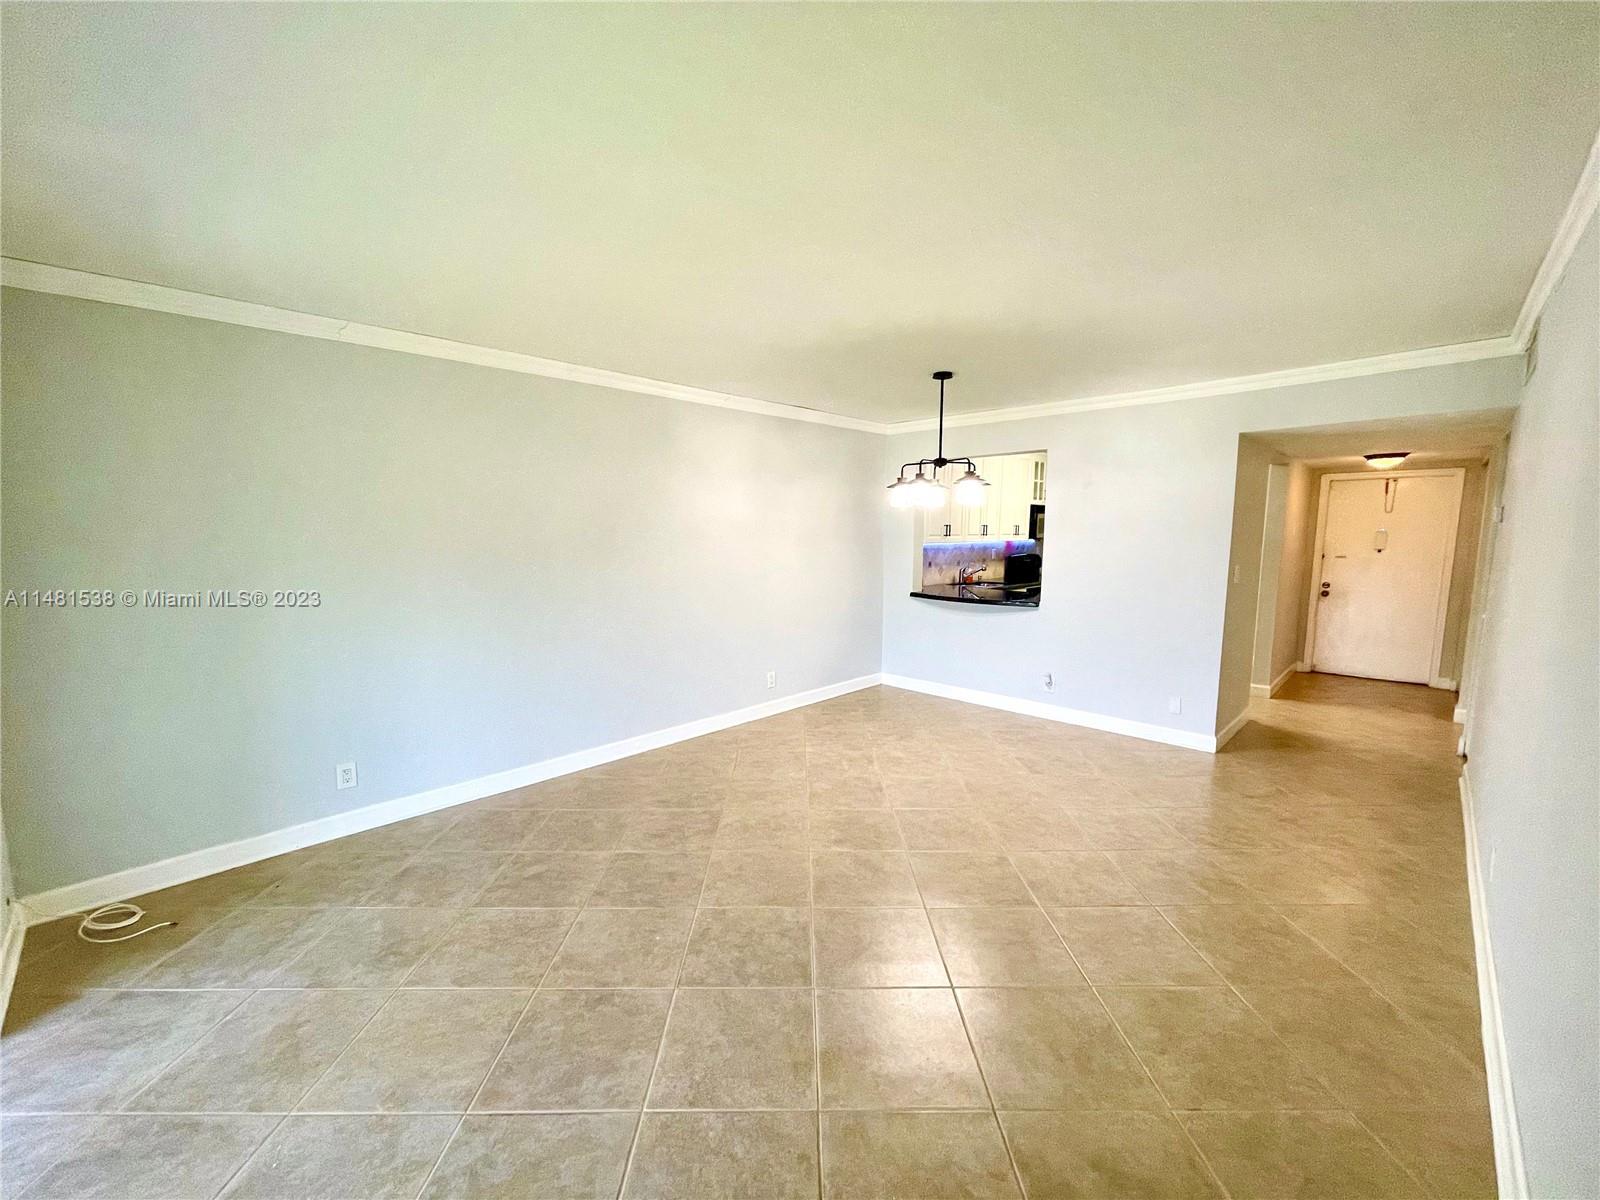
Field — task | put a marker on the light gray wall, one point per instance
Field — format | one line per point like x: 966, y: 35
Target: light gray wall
x: 1294, y: 570
x: 1494, y: 484
x: 511, y: 569
x: 8, y: 891
x: 1137, y: 555
x: 1534, y: 765
x: 1274, y: 527
x: 1255, y: 460
x: 1469, y: 529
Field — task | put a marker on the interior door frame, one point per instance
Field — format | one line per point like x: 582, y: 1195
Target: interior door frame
x: 1447, y: 573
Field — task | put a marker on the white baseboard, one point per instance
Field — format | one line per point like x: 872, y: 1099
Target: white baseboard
x: 1459, y: 716
x: 1054, y: 712
x: 1502, y: 1101
x: 1443, y: 684
x: 90, y: 893
x: 1225, y: 734
x: 16, y: 925
x: 1268, y: 690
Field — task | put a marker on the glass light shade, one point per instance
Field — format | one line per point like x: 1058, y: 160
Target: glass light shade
x: 926, y: 492
x: 901, y: 494
x: 969, y: 489
x: 1388, y: 461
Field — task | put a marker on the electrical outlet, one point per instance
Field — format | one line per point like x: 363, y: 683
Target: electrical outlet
x: 344, y: 776
x: 1049, y: 682
x: 1236, y: 572
x: 772, y: 680
x: 1174, y: 704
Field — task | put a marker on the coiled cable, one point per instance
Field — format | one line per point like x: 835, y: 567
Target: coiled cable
x: 116, y: 916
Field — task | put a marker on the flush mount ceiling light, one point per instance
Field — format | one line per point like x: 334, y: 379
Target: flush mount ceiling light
x: 924, y: 490
x: 1387, y: 460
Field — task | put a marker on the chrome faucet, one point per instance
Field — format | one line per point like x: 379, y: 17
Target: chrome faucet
x: 966, y: 574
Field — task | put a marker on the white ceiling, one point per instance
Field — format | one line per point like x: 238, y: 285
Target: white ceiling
x: 1434, y: 438
x: 819, y: 204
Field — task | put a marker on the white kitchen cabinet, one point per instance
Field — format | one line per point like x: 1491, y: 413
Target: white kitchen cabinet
x: 986, y: 517
x: 943, y: 524
x: 981, y: 520
x: 1016, y: 494
x: 1016, y: 482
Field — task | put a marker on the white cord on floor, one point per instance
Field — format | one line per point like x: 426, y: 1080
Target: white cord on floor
x: 116, y: 916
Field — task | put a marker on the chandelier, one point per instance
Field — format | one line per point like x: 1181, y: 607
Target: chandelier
x: 925, y: 490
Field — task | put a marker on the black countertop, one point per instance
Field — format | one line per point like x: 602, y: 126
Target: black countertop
x: 1002, y: 595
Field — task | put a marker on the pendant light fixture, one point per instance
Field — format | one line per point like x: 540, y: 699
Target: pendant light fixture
x: 923, y: 490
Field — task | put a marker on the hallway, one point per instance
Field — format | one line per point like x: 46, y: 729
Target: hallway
x: 887, y: 945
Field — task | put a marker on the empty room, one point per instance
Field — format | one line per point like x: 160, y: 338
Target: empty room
x: 495, y: 506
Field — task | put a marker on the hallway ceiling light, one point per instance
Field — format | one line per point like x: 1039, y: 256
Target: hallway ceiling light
x: 1387, y: 460
x: 924, y: 490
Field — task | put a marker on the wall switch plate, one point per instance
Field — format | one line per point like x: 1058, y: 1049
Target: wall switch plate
x: 772, y: 680
x: 344, y: 776
x: 1174, y: 704
x: 1049, y: 681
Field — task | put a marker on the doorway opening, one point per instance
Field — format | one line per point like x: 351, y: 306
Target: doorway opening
x: 1382, y: 565
x: 1343, y: 568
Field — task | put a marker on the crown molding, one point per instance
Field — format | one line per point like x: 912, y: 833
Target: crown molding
x: 1407, y: 360
x: 110, y: 289
x: 1568, y: 232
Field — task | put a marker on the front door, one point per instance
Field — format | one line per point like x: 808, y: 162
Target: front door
x: 1384, y: 574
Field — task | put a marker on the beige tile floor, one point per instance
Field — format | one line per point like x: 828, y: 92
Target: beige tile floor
x: 887, y: 946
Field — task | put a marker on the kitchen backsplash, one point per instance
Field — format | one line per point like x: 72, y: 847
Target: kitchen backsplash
x: 941, y: 561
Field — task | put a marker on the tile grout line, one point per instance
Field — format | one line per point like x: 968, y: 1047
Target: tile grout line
x: 494, y: 1062
x: 147, y: 969
x: 1233, y: 988
x: 249, y: 1158
x: 226, y: 911
x: 1005, y: 1137
x: 1393, y: 1157
x: 1100, y: 1000
x: 284, y: 1118
x: 1383, y: 994
x: 1172, y: 1112
x: 816, y: 993
x: 187, y: 1050
x: 122, y: 1109
x: 1296, y: 1057
x: 111, y: 1114
x: 961, y: 1015
x: 661, y: 1044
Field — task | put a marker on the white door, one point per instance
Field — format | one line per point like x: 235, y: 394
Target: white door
x: 1386, y: 550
